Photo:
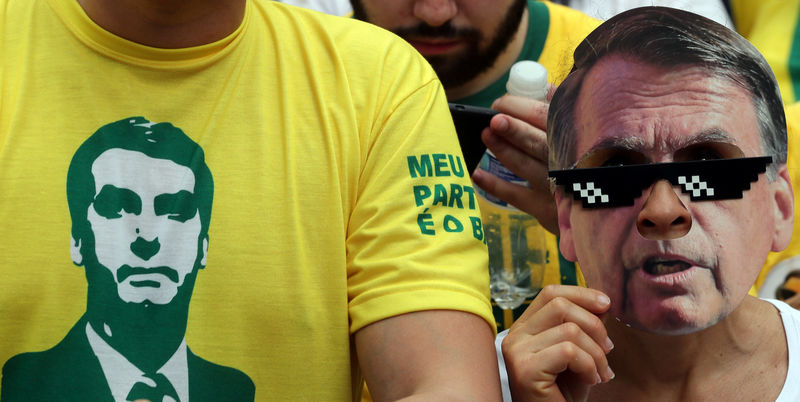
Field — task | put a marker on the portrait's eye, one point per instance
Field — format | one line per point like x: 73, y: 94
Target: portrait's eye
x: 111, y: 201
x: 610, y: 157
x: 708, y: 151
x: 180, y: 206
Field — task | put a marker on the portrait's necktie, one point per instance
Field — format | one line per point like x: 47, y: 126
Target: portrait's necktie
x: 142, y: 390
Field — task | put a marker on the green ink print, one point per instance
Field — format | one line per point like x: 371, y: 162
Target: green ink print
x: 439, y: 195
x: 471, y: 191
x: 421, y: 167
x: 455, y: 196
x: 452, y: 224
x: 477, y: 228
x: 456, y: 166
x: 424, y: 220
x: 420, y: 194
x: 136, y: 311
x: 440, y: 165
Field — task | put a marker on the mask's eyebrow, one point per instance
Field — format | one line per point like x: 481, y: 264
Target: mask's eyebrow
x: 638, y: 144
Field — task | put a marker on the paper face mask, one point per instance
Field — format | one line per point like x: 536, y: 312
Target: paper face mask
x: 619, y: 186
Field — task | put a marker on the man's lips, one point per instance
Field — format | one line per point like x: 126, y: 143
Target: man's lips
x: 659, y: 266
x: 434, y: 46
x: 126, y: 271
x: 666, y: 272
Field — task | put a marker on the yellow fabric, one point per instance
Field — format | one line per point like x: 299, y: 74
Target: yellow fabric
x: 770, y: 26
x: 793, y: 164
x: 566, y: 30
x: 309, y: 125
x: 568, y: 27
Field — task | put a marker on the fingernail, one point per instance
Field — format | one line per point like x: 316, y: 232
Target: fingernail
x: 503, y: 124
x: 603, y: 299
x: 610, y: 373
x: 598, y: 380
x: 609, y: 344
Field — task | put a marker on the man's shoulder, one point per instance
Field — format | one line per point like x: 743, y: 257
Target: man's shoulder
x: 48, y: 375
x: 280, y: 15
x: 342, y: 36
x: 790, y: 317
x: 569, y: 23
x: 62, y: 355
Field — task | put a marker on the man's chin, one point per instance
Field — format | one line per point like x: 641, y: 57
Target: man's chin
x: 456, y: 69
x: 147, y: 293
x: 671, y: 324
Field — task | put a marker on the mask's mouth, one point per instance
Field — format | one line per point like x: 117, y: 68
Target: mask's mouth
x: 658, y: 266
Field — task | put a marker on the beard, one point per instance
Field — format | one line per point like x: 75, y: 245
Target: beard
x: 457, y: 69
x: 147, y: 334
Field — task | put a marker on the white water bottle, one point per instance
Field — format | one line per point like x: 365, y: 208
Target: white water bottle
x: 516, y: 241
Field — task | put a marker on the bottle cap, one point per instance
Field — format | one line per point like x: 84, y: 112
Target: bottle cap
x: 529, y: 79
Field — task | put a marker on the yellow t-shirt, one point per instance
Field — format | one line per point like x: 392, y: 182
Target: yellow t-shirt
x: 771, y: 26
x: 339, y: 199
x: 793, y: 164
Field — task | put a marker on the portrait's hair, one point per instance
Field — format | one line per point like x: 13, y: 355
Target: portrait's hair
x: 668, y: 37
x: 156, y: 140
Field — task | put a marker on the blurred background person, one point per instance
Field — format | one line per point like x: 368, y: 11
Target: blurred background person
x: 712, y: 9
x: 333, y: 7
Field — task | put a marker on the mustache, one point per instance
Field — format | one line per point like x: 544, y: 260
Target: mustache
x: 444, y: 31
x: 126, y: 270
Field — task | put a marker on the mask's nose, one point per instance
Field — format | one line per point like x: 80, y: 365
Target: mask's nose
x: 663, y: 216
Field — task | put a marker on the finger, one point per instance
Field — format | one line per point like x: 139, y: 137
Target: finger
x: 560, y: 304
x: 519, y: 158
x: 592, y: 300
x: 551, y: 90
x: 531, y: 111
x: 533, y: 376
x: 531, y: 200
x: 522, y: 135
x: 566, y: 332
x: 557, y: 312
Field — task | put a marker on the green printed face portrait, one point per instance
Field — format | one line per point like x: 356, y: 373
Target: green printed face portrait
x: 140, y: 199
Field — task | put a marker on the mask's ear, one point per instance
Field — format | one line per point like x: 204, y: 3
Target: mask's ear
x: 566, y: 241
x: 784, y: 209
x: 75, y: 251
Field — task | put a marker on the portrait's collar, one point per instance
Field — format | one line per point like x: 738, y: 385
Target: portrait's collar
x: 121, y: 374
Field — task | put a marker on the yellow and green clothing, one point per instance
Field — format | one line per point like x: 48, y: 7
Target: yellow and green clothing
x: 339, y: 193
x: 771, y: 26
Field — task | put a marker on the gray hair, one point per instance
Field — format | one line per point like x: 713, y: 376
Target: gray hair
x: 669, y: 37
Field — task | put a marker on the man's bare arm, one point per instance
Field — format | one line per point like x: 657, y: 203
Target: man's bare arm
x: 439, y: 355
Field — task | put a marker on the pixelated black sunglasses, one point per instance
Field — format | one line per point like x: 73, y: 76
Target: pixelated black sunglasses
x: 619, y: 186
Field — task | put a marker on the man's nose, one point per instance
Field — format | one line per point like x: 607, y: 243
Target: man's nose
x: 145, y: 249
x: 435, y: 12
x: 663, y: 216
